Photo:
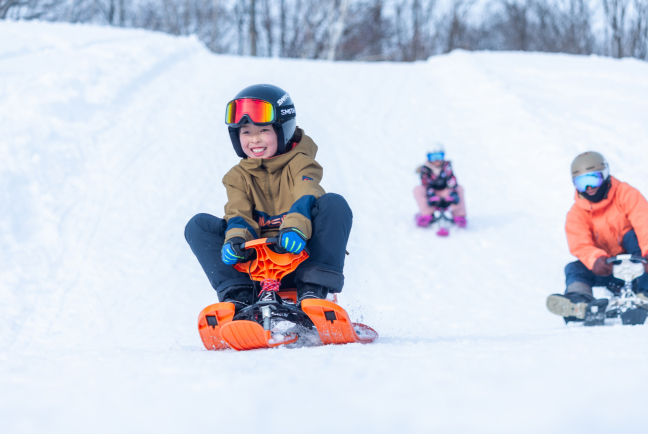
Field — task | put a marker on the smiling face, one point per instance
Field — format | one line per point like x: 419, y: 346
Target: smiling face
x: 258, y: 141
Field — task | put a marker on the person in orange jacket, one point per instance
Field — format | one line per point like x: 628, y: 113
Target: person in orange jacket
x: 608, y: 218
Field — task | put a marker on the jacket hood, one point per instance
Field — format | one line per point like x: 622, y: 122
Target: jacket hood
x: 586, y: 205
x: 256, y: 166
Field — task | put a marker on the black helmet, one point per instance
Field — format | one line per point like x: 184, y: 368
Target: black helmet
x: 283, y: 121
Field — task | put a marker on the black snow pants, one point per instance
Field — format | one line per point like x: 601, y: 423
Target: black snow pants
x: 331, y: 220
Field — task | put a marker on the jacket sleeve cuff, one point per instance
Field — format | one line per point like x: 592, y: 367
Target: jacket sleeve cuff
x: 238, y: 232
x: 296, y: 220
x: 239, y: 227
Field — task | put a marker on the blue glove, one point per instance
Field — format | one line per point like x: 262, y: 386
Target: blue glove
x: 231, y: 252
x: 291, y: 240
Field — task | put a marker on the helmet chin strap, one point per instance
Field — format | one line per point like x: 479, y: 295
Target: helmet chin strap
x: 281, y: 143
x: 236, y: 141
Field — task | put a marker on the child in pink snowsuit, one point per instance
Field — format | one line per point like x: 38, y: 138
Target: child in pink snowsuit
x: 439, y: 189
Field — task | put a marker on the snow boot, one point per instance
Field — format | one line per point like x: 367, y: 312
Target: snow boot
x: 636, y: 316
x: 240, y: 296
x: 460, y: 221
x: 578, y: 307
x: 423, y: 221
x: 310, y: 290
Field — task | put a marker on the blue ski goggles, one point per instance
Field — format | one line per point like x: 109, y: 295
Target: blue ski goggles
x: 435, y: 156
x: 592, y: 179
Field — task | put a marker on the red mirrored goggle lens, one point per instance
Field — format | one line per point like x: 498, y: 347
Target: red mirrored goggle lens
x: 259, y: 112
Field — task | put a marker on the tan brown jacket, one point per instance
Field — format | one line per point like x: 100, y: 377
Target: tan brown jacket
x: 265, y: 195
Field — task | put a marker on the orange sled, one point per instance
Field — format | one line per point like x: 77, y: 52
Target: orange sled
x: 333, y: 323
x: 251, y: 329
x: 211, y: 320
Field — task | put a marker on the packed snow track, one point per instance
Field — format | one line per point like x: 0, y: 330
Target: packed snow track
x: 111, y: 140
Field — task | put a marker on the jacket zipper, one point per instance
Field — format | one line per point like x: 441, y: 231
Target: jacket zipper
x: 268, y: 195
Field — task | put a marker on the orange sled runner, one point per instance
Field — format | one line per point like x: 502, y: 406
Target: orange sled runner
x: 252, y: 327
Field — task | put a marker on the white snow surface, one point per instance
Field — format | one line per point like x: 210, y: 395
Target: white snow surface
x: 111, y: 140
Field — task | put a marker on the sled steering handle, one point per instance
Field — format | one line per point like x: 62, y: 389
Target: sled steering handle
x: 634, y: 258
x: 259, y: 242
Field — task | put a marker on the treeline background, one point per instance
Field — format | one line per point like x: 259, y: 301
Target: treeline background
x: 369, y: 30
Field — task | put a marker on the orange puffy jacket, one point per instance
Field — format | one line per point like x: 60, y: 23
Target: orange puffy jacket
x: 597, y: 229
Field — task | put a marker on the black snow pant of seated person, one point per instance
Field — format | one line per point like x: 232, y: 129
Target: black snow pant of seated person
x: 580, y: 279
x: 331, y: 220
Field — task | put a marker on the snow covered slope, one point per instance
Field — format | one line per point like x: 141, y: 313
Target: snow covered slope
x: 110, y: 140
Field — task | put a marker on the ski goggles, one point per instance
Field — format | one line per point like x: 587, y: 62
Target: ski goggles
x: 592, y: 179
x: 257, y: 111
x: 435, y: 156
